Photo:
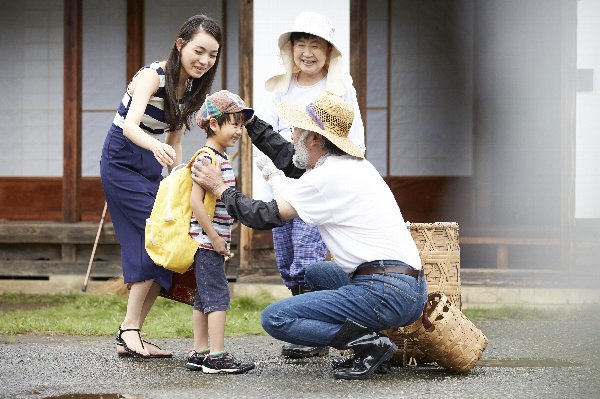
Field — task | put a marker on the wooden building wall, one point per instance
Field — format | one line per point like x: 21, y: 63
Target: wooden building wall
x: 466, y: 199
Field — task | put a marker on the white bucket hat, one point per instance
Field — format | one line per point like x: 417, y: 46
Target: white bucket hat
x: 313, y: 23
x: 281, y: 72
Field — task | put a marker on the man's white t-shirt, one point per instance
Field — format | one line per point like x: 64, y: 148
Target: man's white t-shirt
x: 355, y: 211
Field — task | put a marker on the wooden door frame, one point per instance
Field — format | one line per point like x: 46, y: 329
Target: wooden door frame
x: 72, y: 84
x: 246, y: 38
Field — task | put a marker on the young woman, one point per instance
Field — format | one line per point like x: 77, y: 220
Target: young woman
x: 161, y: 98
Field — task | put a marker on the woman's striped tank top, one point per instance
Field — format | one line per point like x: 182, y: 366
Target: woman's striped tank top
x: 153, y: 120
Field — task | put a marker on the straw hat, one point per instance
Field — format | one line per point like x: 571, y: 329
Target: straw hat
x: 281, y: 72
x: 328, y: 115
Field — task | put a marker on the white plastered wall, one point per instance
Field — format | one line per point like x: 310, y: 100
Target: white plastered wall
x: 31, y: 83
x: 104, y: 80
x: 587, y: 180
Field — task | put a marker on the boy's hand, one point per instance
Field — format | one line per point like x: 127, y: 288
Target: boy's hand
x: 220, y: 246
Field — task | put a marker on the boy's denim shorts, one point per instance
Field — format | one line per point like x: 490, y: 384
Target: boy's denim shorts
x: 212, y: 290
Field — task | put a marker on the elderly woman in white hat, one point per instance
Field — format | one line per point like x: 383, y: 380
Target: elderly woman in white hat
x: 309, y: 63
x: 375, y: 280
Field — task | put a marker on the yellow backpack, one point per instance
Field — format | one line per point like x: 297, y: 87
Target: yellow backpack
x: 168, y: 240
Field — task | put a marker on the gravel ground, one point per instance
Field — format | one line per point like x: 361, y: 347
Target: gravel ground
x: 525, y: 359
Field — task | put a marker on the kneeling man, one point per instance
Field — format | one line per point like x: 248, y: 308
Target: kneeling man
x: 375, y: 280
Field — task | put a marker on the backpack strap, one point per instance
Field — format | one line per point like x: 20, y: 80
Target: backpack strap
x: 210, y: 201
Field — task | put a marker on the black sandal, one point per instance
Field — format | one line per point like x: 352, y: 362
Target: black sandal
x: 159, y: 348
x: 121, y: 341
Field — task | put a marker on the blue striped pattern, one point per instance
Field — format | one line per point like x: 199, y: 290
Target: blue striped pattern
x: 153, y: 120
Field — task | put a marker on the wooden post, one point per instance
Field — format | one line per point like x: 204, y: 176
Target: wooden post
x: 135, y: 37
x: 358, y: 53
x: 223, y: 60
x: 71, y: 187
x: 245, y: 65
x: 388, y: 100
x: 502, y: 257
x: 481, y: 189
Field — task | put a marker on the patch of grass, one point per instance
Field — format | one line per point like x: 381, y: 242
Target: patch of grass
x: 244, y: 316
x: 85, y: 314
x: 20, y: 299
x: 524, y: 313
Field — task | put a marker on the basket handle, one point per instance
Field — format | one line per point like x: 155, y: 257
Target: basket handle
x: 425, y: 320
x: 427, y: 312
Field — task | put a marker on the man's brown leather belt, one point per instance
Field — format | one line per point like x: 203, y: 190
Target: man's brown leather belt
x: 376, y: 269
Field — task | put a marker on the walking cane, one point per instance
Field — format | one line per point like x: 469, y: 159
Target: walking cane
x: 89, y: 269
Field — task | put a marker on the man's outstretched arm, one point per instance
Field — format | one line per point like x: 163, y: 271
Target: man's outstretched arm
x: 256, y: 214
x: 274, y: 146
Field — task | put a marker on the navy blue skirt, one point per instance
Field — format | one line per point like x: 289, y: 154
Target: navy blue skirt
x: 130, y: 178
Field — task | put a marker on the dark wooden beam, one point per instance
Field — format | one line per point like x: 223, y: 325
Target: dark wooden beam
x: 389, y: 89
x: 71, y: 190
x: 482, y: 136
x: 44, y: 198
x: 39, y: 268
x: 358, y: 52
x: 223, y: 60
x: 55, y: 233
x: 246, y: 37
x: 135, y: 37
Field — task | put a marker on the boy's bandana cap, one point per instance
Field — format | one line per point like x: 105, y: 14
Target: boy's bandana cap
x: 222, y: 102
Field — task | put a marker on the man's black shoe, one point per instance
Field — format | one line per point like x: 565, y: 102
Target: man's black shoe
x: 301, y: 351
x: 370, y: 350
x: 348, y: 362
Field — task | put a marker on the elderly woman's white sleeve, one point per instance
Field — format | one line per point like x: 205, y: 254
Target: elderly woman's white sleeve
x: 357, y: 131
x: 267, y: 110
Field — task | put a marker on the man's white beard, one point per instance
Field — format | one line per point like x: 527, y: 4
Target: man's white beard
x: 301, y: 155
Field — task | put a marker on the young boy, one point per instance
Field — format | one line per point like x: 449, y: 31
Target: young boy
x: 222, y: 116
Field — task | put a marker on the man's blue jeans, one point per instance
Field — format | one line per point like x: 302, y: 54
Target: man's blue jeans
x: 378, y: 301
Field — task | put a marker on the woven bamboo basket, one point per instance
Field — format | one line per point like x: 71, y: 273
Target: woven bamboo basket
x: 446, y: 335
x: 440, y: 258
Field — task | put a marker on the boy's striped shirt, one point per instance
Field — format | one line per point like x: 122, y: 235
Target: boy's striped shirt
x: 222, y: 221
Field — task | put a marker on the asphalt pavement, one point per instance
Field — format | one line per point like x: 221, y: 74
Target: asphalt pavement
x: 524, y: 359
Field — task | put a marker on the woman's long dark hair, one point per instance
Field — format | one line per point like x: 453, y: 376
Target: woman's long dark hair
x: 193, y: 98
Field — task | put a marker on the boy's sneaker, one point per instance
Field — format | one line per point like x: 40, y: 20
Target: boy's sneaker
x: 225, y: 363
x: 195, y: 359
